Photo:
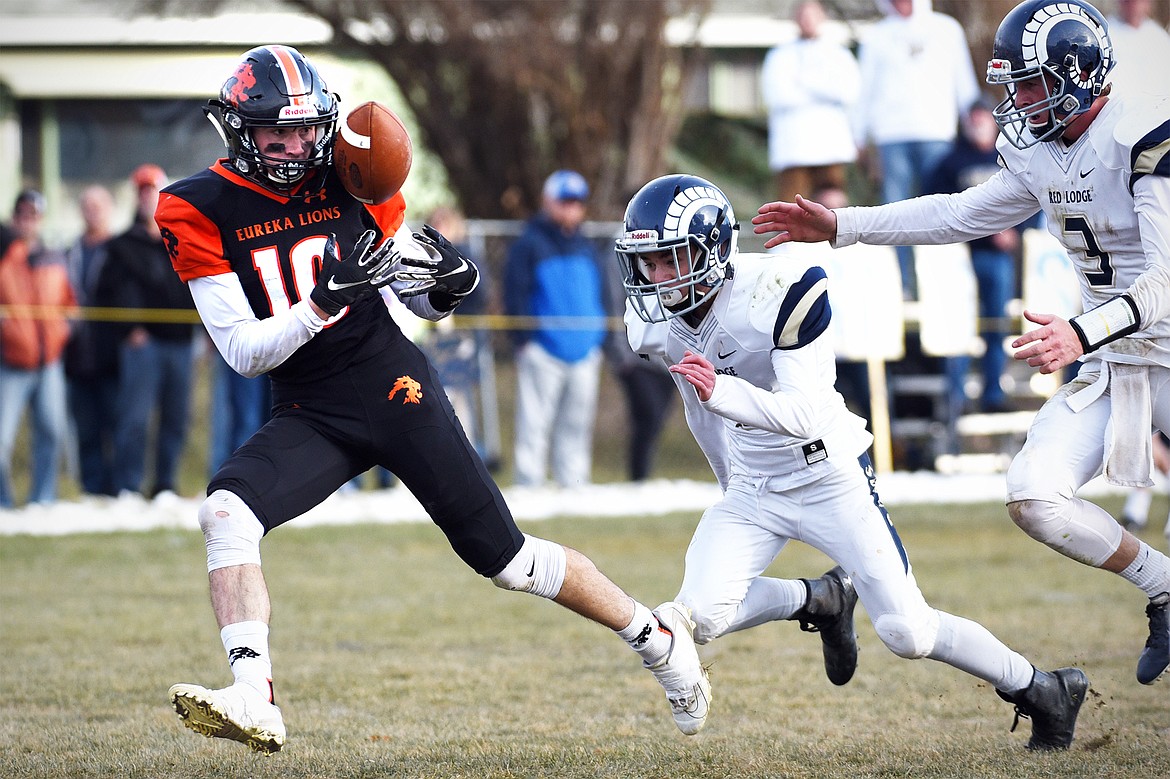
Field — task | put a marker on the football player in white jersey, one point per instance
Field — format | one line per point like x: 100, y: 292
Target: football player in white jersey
x: 1099, y: 168
x: 742, y: 335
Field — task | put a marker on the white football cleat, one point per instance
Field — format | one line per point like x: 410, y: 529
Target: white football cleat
x: 688, y: 691
x: 239, y: 713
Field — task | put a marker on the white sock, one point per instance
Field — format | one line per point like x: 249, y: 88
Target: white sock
x: 970, y: 647
x: 646, y: 636
x: 246, y: 644
x: 1149, y: 571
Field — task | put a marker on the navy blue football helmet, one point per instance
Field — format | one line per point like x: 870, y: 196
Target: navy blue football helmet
x: 274, y: 86
x: 1065, y: 43
x: 689, y: 217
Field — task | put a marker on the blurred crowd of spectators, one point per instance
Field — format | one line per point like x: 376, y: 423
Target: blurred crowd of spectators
x: 111, y: 394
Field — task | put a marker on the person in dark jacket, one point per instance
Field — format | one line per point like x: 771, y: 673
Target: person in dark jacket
x: 91, y: 356
x: 994, y: 258
x: 156, y: 352
x: 554, y: 280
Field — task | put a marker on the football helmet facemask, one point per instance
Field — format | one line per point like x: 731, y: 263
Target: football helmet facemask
x: 1065, y: 44
x: 689, y: 217
x: 274, y: 86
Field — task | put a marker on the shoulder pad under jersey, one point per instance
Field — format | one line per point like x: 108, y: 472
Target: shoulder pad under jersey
x: 793, y: 302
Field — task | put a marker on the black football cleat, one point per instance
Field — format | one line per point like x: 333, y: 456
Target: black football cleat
x: 829, y: 611
x: 1052, y: 702
x: 1156, y: 656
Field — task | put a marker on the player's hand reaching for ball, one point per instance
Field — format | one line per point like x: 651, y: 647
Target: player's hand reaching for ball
x: 341, y: 282
x: 444, y: 273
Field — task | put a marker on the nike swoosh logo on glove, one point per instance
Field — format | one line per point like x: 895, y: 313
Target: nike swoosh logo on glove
x: 331, y: 284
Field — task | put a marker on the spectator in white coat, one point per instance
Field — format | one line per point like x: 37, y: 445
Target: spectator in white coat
x: 1142, y: 49
x: 917, y: 80
x: 809, y: 87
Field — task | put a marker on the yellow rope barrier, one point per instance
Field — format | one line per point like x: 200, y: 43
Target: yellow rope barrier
x: 495, y: 322
x: 189, y: 316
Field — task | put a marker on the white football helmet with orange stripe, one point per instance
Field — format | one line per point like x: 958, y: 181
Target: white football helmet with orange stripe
x: 274, y: 86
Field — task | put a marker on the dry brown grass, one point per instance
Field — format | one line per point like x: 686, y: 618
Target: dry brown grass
x: 392, y: 660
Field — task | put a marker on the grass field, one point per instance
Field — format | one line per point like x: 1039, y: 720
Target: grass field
x: 393, y: 660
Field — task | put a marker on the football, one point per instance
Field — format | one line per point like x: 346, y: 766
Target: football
x: 372, y: 153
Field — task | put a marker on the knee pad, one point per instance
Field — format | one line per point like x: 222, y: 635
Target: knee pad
x: 1043, y: 520
x: 538, y: 568
x: 909, y: 636
x: 1075, y: 528
x: 707, y: 630
x: 231, y: 531
x: 710, y: 622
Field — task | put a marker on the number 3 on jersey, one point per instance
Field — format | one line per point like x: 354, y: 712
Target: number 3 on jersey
x: 1103, y: 276
x: 304, y: 259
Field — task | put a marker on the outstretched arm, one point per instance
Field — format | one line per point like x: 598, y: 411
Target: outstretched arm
x: 805, y: 221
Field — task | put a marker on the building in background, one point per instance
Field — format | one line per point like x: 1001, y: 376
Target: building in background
x: 88, y: 91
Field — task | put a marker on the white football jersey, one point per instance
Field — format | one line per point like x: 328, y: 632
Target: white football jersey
x: 1085, y: 192
x: 774, y: 411
x: 1106, y: 197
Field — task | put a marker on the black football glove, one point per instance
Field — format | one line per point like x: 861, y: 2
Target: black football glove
x: 446, y: 274
x: 342, y: 283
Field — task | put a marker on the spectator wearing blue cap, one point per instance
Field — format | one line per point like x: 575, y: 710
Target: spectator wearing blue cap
x: 554, y: 282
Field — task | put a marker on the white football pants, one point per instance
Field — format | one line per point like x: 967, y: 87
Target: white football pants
x: 1064, y: 451
x: 838, y: 514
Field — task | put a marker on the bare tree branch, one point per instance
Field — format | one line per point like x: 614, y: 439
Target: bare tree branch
x: 505, y: 91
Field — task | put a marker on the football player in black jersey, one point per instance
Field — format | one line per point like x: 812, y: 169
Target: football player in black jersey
x: 287, y: 271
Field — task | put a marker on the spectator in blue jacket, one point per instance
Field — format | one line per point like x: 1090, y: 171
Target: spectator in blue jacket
x: 554, y: 281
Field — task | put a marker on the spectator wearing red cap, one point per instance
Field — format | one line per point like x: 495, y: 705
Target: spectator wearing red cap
x: 155, y: 352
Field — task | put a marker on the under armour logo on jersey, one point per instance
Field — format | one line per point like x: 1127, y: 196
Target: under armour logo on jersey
x: 411, y: 389
x: 241, y: 653
x: 319, y: 195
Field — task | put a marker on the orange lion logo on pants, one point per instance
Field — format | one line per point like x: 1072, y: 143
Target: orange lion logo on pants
x: 412, y: 390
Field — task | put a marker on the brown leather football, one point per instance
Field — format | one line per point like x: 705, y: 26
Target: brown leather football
x: 372, y: 153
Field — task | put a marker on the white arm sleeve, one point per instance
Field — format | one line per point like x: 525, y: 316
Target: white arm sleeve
x: 991, y: 207
x: 789, y: 410
x: 1151, y: 290
x: 251, y: 346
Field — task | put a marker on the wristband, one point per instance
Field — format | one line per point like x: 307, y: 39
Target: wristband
x: 1113, y: 319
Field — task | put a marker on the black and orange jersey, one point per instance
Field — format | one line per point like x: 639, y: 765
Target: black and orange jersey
x: 219, y: 222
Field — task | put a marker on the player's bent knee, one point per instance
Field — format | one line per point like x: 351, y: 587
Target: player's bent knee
x: 911, y: 637
x: 710, y: 622
x: 538, y: 568
x: 1041, y: 519
x: 231, y: 531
